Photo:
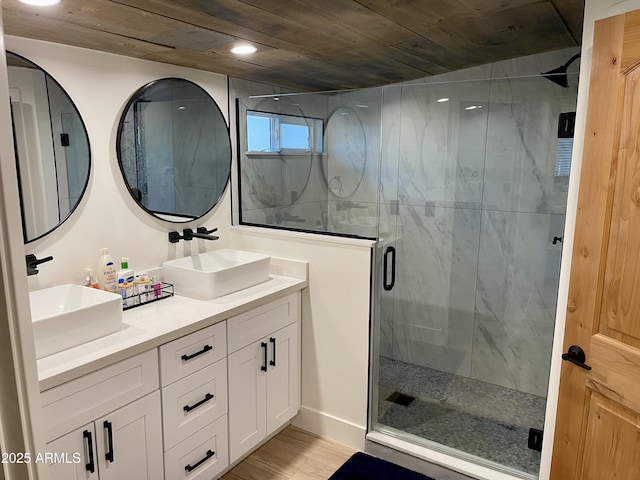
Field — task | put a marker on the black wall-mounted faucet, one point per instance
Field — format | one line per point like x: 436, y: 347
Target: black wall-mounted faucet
x: 188, y: 234
x: 33, y: 262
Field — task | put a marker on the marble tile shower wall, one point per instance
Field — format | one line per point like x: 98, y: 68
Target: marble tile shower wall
x: 472, y: 204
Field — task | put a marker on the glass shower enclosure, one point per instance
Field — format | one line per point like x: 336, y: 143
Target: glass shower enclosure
x: 462, y: 181
x: 474, y: 181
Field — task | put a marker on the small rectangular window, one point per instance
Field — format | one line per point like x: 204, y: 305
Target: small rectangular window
x: 284, y: 134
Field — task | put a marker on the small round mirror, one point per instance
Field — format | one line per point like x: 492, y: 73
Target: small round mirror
x: 52, y: 148
x: 174, y: 149
x: 345, y: 152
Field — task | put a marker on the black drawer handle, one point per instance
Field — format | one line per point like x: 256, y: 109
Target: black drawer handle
x: 206, y: 348
x: 273, y: 361
x: 90, y: 467
x: 210, y: 453
x: 109, y: 455
x: 263, y: 367
x: 207, y: 397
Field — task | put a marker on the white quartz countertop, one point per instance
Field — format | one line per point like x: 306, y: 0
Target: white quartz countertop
x: 149, y: 326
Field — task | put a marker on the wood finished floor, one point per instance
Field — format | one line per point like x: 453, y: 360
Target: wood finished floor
x: 293, y: 454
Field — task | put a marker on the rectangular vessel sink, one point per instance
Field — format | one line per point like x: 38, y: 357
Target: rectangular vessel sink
x: 216, y: 273
x: 69, y: 315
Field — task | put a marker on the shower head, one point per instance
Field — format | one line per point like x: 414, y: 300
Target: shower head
x: 559, y: 75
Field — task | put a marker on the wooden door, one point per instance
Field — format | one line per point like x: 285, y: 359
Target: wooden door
x: 130, y: 441
x: 597, y: 432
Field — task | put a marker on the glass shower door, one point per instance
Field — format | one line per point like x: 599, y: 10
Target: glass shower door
x: 473, y: 201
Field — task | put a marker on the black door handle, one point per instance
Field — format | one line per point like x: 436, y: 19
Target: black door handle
x: 385, y: 267
x: 109, y: 455
x: 556, y: 240
x: 273, y: 361
x: 90, y: 467
x: 263, y: 367
x: 576, y: 355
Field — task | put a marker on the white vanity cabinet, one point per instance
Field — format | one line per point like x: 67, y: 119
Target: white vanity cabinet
x: 264, y: 372
x: 101, y: 441
x: 193, y: 370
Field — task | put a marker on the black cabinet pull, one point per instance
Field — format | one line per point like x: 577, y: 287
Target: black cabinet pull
x: 210, y: 453
x: 90, y: 467
x: 109, y: 455
x: 206, y: 348
x: 576, y: 355
x: 207, y: 397
x: 385, y: 267
x: 263, y: 367
x: 273, y: 361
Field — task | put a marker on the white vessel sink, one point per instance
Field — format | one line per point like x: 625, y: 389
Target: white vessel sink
x: 216, y: 273
x: 69, y: 315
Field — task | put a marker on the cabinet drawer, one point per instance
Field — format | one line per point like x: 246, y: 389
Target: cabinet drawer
x: 194, y: 401
x: 202, y: 456
x: 80, y: 401
x: 190, y: 353
x: 255, y: 324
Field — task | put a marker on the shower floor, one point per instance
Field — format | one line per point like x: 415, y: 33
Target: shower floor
x: 476, y: 417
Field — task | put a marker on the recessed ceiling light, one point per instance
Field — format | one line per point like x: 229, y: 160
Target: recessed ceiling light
x: 244, y: 49
x: 362, y: 106
x: 471, y: 107
x: 442, y: 100
x: 40, y: 3
x: 181, y: 107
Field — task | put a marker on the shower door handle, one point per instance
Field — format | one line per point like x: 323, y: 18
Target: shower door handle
x: 388, y: 285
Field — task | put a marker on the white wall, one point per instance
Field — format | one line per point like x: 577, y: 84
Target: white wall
x: 594, y: 10
x: 100, y: 85
x: 335, y: 327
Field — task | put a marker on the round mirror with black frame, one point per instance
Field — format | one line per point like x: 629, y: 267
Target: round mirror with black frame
x: 53, y: 158
x: 174, y: 149
x: 345, y: 152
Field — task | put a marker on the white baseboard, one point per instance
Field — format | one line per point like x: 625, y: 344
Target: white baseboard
x: 333, y: 428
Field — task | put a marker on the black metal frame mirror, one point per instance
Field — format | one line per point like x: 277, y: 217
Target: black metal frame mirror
x: 53, y: 156
x: 174, y: 150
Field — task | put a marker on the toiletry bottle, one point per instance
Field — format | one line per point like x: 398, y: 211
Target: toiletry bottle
x: 89, y: 279
x: 125, y: 289
x: 143, y: 286
x: 125, y: 272
x: 107, y: 277
x: 157, y: 287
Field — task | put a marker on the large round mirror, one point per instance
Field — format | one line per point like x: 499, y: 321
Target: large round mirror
x: 52, y: 148
x: 174, y: 149
x: 345, y: 152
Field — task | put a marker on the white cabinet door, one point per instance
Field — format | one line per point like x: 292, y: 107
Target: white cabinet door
x: 73, y: 456
x: 130, y: 441
x: 283, y: 377
x: 247, y: 397
x: 264, y: 389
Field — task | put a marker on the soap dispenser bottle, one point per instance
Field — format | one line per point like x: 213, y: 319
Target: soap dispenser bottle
x: 125, y: 273
x: 107, y: 277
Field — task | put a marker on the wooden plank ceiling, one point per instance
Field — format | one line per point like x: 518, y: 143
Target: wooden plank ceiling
x: 309, y: 44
